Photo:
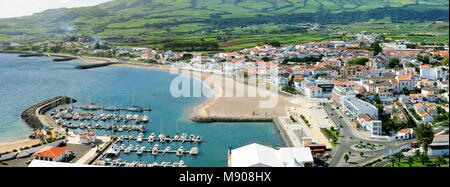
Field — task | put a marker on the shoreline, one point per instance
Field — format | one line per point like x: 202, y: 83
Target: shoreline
x: 208, y: 109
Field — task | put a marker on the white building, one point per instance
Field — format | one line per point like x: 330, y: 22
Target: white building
x: 88, y: 137
x: 313, y: 91
x: 50, y: 153
x: 366, y: 122
x: 356, y: 106
x: 433, y: 73
x: 256, y: 155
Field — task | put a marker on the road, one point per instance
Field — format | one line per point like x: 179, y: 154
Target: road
x: 348, y: 137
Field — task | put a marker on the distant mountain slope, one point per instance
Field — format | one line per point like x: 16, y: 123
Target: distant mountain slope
x: 180, y: 16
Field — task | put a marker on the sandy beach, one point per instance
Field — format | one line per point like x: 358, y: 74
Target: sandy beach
x: 223, y: 105
x: 9, y: 146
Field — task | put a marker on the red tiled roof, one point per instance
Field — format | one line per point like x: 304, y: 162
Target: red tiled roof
x: 50, y: 151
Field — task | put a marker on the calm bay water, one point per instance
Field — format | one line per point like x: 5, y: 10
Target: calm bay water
x: 27, y: 81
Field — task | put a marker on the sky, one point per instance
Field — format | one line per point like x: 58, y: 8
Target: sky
x: 17, y: 8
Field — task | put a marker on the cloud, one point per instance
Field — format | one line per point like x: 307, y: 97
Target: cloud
x: 17, y: 8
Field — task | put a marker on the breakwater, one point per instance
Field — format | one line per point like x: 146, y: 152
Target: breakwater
x: 30, y: 117
x: 87, y: 66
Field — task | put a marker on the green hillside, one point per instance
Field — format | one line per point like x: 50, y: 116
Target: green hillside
x: 154, y: 21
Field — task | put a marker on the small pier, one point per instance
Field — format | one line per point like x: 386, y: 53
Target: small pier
x: 105, y: 108
x: 150, y: 139
x: 119, y: 163
x: 178, y: 152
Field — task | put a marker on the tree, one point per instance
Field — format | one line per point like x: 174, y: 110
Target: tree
x: 399, y: 156
x: 410, y: 160
x: 346, y: 157
x: 394, y: 63
x: 425, y: 135
x: 358, y: 61
x: 439, y: 161
x: 405, y: 91
x: 376, y: 48
x: 361, y: 154
x: 393, y: 161
x: 417, y: 154
x: 444, y: 62
x: 424, y: 158
x: 377, y: 99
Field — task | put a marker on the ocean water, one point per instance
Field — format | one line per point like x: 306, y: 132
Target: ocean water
x: 27, y: 81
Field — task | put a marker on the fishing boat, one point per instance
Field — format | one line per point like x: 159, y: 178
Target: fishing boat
x: 90, y: 107
x: 135, y: 109
x: 193, y: 151
x: 139, y: 138
x: 111, y: 108
x: 151, y: 138
x: 128, y: 117
x: 198, y: 139
x: 145, y: 118
x: 168, y: 148
x: 192, y: 137
x: 140, y: 150
x: 162, y: 138
x: 180, y: 151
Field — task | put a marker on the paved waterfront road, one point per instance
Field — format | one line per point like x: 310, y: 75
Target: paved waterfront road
x: 348, y: 137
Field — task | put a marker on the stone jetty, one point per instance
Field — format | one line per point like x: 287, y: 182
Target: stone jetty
x: 30, y: 117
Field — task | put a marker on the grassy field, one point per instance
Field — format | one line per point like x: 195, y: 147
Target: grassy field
x: 234, y: 24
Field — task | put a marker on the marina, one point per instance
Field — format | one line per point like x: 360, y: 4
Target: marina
x: 111, y: 87
x: 115, y: 150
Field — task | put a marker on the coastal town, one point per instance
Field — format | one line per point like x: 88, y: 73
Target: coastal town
x: 369, y: 101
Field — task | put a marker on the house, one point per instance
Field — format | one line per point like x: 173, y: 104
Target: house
x: 256, y: 155
x: 313, y: 91
x: 50, y: 153
x: 426, y: 117
x: 366, y: 122
x: 434, y: 73
x: 405, y: 81
x: 89, y: 137
x: 404, y: 134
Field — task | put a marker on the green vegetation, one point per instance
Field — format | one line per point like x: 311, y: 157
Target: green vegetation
x: 316, y: 76
x: 290, y: 89
x: 308, y: 60
x: 394, y: 63
x: 233, y: 24
x: 413, y: 162
x: 305, y: 120
x: 414, y: 113
x: 424, y: 134
x: 358, y: 61
x: 332, y: 134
